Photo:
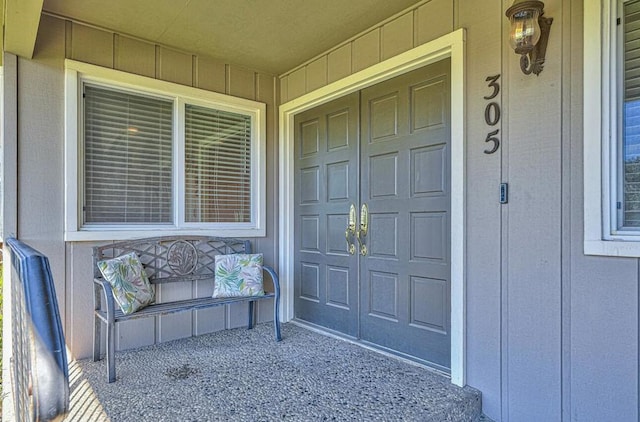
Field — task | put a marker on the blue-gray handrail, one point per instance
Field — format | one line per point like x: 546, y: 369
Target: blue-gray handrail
x: 39, y: 360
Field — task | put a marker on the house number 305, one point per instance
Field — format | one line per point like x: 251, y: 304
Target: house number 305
x: 492, y: 114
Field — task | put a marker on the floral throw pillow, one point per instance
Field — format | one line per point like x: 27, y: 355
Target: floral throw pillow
x: 129, y: 282
x: 238, y: 275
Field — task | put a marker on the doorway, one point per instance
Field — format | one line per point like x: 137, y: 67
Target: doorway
x: 451, y: 46
x: 372, y: 215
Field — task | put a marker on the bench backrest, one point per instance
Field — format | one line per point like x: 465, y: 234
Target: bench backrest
x: 174, y: 258
x: 39, y: 359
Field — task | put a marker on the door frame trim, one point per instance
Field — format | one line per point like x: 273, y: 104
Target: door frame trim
x: 451, y: 45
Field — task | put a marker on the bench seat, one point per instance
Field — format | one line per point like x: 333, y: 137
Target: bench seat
x: 177, y: 306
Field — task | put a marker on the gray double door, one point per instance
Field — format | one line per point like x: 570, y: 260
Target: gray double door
x: 372, y: 215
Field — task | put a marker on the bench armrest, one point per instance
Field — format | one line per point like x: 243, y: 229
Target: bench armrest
x: 274, y: 278
x: 102, y: 286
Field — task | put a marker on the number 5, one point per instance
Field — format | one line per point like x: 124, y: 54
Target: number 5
x: 491, y: 138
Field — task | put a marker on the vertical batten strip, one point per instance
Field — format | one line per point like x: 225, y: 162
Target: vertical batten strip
x: 68, y: 32
x: 157, y: 63
x: 194, y: 71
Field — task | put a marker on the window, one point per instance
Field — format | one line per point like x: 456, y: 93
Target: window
x: 611, y: 96
x: 147, y: 156
x: 128, y: 163
x: 628, y: 36
x: 217, y: 167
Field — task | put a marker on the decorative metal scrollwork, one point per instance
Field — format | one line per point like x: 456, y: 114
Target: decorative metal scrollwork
x: 182, y: 257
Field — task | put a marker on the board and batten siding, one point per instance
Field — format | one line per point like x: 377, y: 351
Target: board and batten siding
x: 40, y: 104
x: 551, y: 334
x: 396, y: 35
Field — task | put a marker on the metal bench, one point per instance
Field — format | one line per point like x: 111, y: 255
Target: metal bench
x: 170, y: 259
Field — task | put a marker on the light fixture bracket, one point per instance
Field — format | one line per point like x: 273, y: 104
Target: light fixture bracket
x: 534, y: 61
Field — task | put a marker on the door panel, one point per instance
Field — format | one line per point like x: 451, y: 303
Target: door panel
x: 405, y: 282
x: 388, y: 147
x: 326, y: 274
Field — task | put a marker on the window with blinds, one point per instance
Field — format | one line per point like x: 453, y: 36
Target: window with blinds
x: 217, y: 166
x: 611, y: 127
x: 148, y: 156
x: 631, y: 116
x: 128, y: 150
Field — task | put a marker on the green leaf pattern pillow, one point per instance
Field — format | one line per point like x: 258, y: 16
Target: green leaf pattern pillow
x: 129, y: 282
x: 238, y: 275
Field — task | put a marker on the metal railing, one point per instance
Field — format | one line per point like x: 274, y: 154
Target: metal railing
x: 39, y: 370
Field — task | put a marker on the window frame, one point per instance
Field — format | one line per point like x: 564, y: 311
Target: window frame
x: 601, y: 172
x: 76, y: 73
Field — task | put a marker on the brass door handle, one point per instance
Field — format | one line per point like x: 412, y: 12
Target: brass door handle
x: 363, y: 247
x: 364, y: 219
x: 351, y: 230
x: 364, y: 229
x: 350, y: 246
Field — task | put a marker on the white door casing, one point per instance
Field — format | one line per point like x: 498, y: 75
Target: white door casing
x: 451, y: 45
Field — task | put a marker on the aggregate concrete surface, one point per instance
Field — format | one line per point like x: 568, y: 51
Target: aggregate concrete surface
x: 244, y: 375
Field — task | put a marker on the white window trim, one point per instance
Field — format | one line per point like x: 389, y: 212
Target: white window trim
x: 76, y: 73
x: 600, y: 136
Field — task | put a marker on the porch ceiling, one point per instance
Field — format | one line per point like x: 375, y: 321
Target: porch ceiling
x: 269, y: 35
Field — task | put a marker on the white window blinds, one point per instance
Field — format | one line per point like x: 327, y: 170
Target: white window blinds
x: 127, y: 157
x: 631, y: 118
x: 217, y: 166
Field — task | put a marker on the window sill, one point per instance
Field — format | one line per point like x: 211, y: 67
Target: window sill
x: 620, y: 248
x: 108, y: 235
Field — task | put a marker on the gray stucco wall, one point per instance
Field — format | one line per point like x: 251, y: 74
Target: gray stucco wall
x: 552, y: 334
x: 40, y: 199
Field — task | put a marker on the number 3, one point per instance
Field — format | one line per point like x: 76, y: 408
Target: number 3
x: 493, y: 83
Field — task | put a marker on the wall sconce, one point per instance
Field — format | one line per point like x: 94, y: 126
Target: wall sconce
x: 529, y: 33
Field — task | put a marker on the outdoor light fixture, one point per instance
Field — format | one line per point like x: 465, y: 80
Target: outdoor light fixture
x: 529, y: 33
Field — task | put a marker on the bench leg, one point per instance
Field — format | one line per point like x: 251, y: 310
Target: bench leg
x: 276, y: 318
x: 97, y: 327
x: 251, y: 306
x: 111, y: 349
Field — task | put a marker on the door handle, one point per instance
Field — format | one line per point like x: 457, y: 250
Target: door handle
x: 364, y: 229
x: 351, y: 230
x: 364, y: 219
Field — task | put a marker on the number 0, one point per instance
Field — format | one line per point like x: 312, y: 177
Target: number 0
x: 492, y: 118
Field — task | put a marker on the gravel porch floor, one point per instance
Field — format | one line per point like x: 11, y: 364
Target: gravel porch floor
x: 240, y: 375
